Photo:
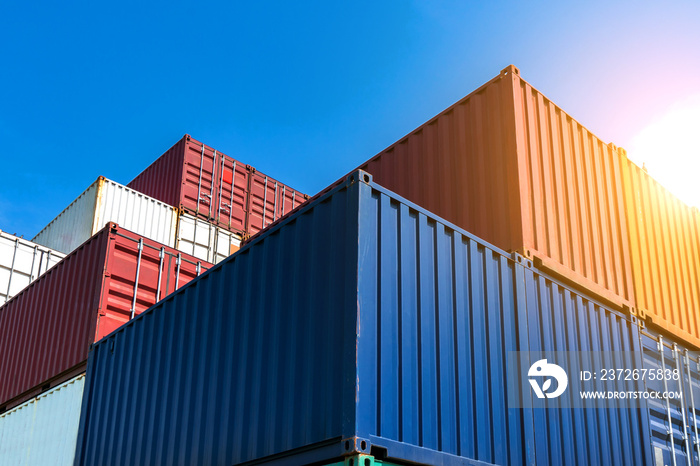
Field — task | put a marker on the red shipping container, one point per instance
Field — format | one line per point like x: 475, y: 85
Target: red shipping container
x: 47, y: 329
x: 211, y: 185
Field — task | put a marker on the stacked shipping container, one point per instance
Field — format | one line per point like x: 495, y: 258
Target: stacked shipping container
x: 44, y: 430
x: 106, y: 201
x: 508, y: 165
x: 410, y: 365
x: 49, y: 326
x: 212, y: 186
x: 22, y: 262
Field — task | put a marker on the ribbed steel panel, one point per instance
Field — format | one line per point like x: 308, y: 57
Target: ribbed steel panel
x: 48, y: 327
x: 43, y: 430
x: 665, y: 246
x: 205, y: 240
x: 106, y: 201
x: 388, y: 336
x: 22, y: 262
x: 212, y: 186
x: 510, y: 166
x: 675, y: 425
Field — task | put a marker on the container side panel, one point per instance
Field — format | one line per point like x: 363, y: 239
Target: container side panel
x: 22, y: 262
x: 665, y: 236
x: 205, y: 240
x: 106, y: 201
x: 559, y: 320
x: 266, y: 345
x: 454, y: 166
x: 136, y: 212
x: 73, y: 226
x: 159, y: 270
x: 48, y: 327
x: 577, y: 213
x: 162, y: 179
x: 43, y: 430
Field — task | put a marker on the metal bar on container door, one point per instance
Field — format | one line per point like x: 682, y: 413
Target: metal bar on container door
x: 274, y: 210
x: 686, y: 437
x: 221, y: 183
x: 160, y: 272
x: 669, y: 429
x: 264, y: 216
x: 199, y: 268
x: 233, y: 185
x: 136, y: 281
x: 294, y: 198
x: 177, y: 270
x: 31, y: 270
x: 194, y: 238
x: 211, y: 188
x: 692, y: 403
x: 284, y: 197
x: 48, y: 261
x: 199, y: 186
x: 12, y: 269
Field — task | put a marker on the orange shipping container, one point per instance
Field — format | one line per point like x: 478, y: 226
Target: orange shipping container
x: 665, y: 246
x: 510, y: 166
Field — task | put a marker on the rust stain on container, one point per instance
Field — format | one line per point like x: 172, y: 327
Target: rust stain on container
x: 664, y: 236
x: 513, y: 168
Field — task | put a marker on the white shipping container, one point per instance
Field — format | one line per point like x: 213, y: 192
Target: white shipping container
x: 44, y: 430
x: 204, y: 240
x: 22, y: 262
x: 103, y: 202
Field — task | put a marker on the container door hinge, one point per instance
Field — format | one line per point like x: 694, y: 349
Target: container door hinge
x: 355, y: 446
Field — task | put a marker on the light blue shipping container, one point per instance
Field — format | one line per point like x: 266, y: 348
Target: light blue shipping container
x: 43, y: 431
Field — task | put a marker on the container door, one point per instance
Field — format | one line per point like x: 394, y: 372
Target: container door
x: 264, y: 202
x: 673, y: 422
x: 289, y: 200
x: 199, y: 186
x: 231, y: 194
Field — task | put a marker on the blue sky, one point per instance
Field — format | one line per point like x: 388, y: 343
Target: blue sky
x: 304, y: 91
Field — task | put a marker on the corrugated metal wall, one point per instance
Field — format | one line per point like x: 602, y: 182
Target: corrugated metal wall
x: 105, y: 201
x: 73, y: 226
x: 44, y: 430
x: 58, y: 307
x: 163, y: 178
x: 214, y: 187
x: 420, y: 374
x: 508, y: 165
x: 573, y: 206
x: 48, y: 328
x: 22, y: 262
x: 271, y: 349
x: 440, y: 310
x: 665, y: 245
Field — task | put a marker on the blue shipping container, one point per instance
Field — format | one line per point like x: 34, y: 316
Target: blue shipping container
x: 362, y: 324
